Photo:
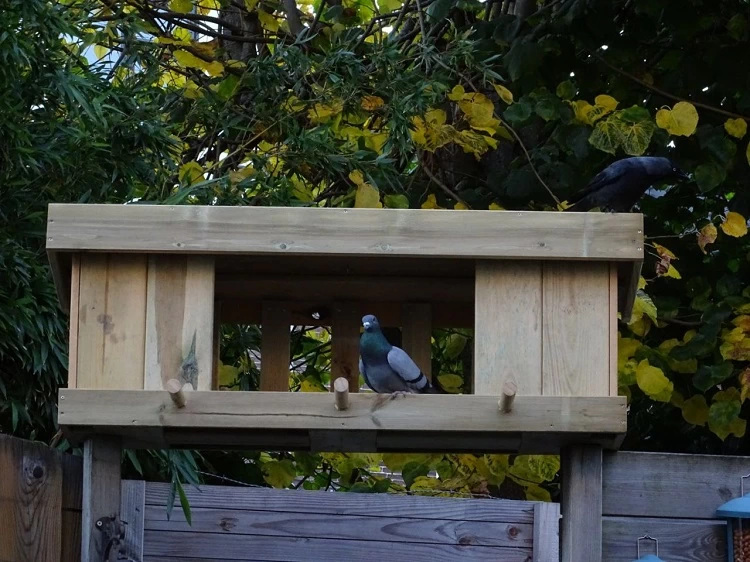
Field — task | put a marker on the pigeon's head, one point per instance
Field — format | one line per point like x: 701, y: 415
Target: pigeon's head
x: 370, y: 323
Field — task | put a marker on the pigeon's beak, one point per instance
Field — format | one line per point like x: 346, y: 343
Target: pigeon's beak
x: 366, y: 325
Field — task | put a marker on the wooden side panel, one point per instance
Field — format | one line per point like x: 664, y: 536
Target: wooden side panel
x: 508, y: 326
x: 30, y: 502
x: 417, y: 335
x: 576, y: 340
x: 133, y: 510
x: 546, y: 532
x: 613, y: 329
x: 111, y: 321
x: 75, y: 287
x: 179, y: 321
x: 275, y: 347
x: 581, y: 526
x: 345, y: 344
x: 101, y: 492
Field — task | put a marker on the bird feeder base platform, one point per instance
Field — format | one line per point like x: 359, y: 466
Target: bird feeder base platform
x: 297, y: 421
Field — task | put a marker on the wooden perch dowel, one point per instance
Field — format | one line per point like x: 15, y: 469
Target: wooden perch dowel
x: 509, y: 393
x: 341, y: 393
x: 177, y: 392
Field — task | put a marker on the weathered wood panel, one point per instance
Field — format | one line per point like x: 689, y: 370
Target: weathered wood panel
x: 546, y: 542
x: 179, y: 317
x: 101, y: 492
x: 680, y: 540
x: 345, y: 343
x: 373, y: 528
x: 417, y: 334
x: 670, y: 485
x: 75, y: 288
x: 112, y: 321
x: 576, y: 338
x: 508, y: 327
x: 581, y: 526
x: 275, y: 347
x: 395, y: 232
x: 133, y: 513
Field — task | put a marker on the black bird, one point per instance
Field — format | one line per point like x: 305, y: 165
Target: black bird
x: 621, y: 184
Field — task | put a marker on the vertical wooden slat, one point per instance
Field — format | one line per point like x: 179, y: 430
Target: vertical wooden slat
x: 576, y: 329
x: 345, y: 335
x: 581, y: 526
x: 111, y: 321
x: 546, y: 546
x: 275, y: 347
x: 72, y: 470
x: 613, y: 383
x: 217, y: 347
x: 75, y: 287
x: 30, y: 501
x: 132, y: 512
x: 417, y: 335
x: 179, y: 321
x: 508, y: 326
x: 101, y: 492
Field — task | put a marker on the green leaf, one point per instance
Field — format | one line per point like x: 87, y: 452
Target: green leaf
x: 737, y: 27
x: 606, y: 136
x: 412, y: 471
x: 133, y: 458
x: 228, y: 87
x: 279, y: 474
x: 454, y: 345
x: 181, y: 6
x: 709, y: 176
x: 184, y: 503
x: 389, y: 5
x: 398, y: 201
x: 709, y: 376
x: 523, y: 58
x: 566, y: 90
x: 518, y: 112
x: 439, y: 9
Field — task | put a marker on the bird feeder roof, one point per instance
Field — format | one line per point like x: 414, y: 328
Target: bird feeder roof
x: 737, y: 508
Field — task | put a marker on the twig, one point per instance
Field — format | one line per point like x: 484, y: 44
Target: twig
x: 664, y: 92
x: 442, y: 186
x: 292, y: 16
x: 321, y: 7
x: 688, y: 323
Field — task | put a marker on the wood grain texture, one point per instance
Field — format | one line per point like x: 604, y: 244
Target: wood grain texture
x: 417, y: 334
x: 373, y: 528
x: 133, y: 512
x: 576, y: 339
x: 581, y: 525
x: 546, y: 542
x: 345, y: 333
x: 112, y: 321
x: 397, y: 232
x: 101, y: 492
x: 275, y: 348
x: 613, y: 383
x: 75, y: 287
x: 292, y: 549
x: 72, y: 494
x: 30, y: 502
x: 347, y: 505
x: 508, y: 326
x: 179, y: 314
x: 686, y: 540
x: 655, y: 484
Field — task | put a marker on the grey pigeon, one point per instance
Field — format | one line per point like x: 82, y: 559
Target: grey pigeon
x: 386, y: 368
x: 621, y: 184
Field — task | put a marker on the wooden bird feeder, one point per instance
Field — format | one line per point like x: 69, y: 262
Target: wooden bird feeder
x: 148, y: 286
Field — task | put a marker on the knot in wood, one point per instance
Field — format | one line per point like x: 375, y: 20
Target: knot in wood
x: 513, y: 532
x: 38, y: 472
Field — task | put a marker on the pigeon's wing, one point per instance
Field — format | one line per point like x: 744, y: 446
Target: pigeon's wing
x: 364, y: 374
x: 405, y: 367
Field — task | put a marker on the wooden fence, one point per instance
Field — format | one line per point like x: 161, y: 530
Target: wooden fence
x: 670, y: 497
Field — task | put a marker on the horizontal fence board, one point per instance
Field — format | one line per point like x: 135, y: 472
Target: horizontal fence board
x: 231, y: 547
x: 386, y: 529
x: 686, y: 540
x: 670, y: 485
x: 344, y: 504
x: 354, y: 232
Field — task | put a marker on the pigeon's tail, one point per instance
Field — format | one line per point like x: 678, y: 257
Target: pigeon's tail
x: 432, y: 388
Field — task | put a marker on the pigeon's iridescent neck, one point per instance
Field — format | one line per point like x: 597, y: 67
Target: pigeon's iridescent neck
x: 373, y: 343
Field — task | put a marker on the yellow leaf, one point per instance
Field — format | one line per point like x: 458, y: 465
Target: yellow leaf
x: 431, y: 202
x: 451, y: 383
x: 311, y: 385
x: 496, y: 207
x: 747, y: 153
x: 267, y: 21
x: 460, y: 206
x: 672, y: 272
x: 474, y: 142
x: 505, y: 94
x: 744, y: 380
x: 100, y: 51
x: 189, y: 60
x: 190, y: 173
x: 643, y: 305
x: 695, y: 410
x: 371, y: 103
x: 477, y: 107
x: 607, y: 102
x: 651, y: 380
x: 181, y: 6
x: 640, y: 327
x: 357, y: 177
x: 681, y: 120
x: 534, y: 492
x: 227, y: 375
x: 736, y: 127
x: 457, y: 93
x: 626, y: 348
x: 322, y: 112
x: 367, y: 196
x: 706, y: 236
x: 664, y: 252
x: 279, y: 474
x: 734, y: 225
x: 250, y: 5
x: 239, y: 175
x: 642, y: 282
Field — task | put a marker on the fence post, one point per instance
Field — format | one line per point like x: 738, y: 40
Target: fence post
x: 581, y: 529
x: 101, y: 495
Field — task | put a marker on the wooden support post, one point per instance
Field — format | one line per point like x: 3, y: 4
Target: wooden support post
x: 177, y: 392
x: 417, y: 334
x: 101, y: 493
x: 275, y: 347
x: 133, y: 512
x: 546, y: 532
x: 509, y: 394
x: 341, y: 391
x: 346, y: 321
x: 581, y: 503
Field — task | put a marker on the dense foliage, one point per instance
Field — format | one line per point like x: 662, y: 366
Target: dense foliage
x: 423, y: 103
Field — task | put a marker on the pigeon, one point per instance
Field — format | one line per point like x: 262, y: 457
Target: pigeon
x: 620, y: 185
x: 388, y: 369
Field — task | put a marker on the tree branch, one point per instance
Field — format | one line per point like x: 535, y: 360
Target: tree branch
x: 448, y: 191
x: 292, y: 16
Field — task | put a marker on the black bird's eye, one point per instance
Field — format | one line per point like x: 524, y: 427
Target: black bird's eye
x: 674, y: 170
